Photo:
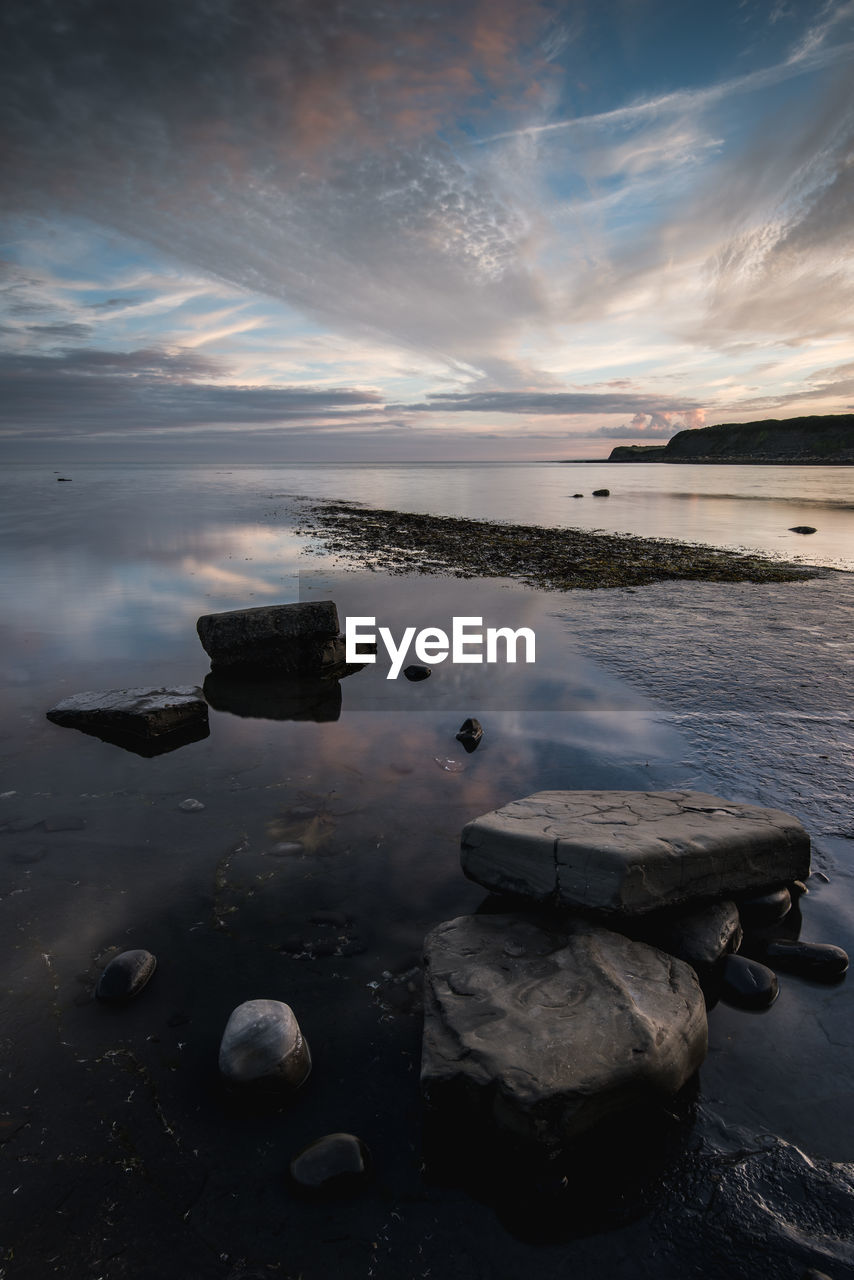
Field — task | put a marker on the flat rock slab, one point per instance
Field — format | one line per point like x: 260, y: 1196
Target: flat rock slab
x: 282, y: 637
x: 140, y: 713
x: 629, y: 852
x: 543, y: 1031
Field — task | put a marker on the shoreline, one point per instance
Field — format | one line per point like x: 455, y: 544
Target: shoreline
x: 546, y: 558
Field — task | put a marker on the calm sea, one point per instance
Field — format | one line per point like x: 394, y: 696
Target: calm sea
x: 353, y: 808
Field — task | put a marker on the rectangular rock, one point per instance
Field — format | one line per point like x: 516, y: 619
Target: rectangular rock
x: 629, y: 852
x: 299, y: 637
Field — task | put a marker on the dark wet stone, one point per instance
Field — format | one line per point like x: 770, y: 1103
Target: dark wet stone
x: 262, y: 1043
x: 299, y: 637
x: 747, y: 984
x: 64, y: 823
x: 764, y: 908
x: 819, y: 961
x: 798, y: 888
x: 63, y: 479
x: 126, y: 975
x: 415, y: 672
x: 802, y: 528
x: 115, y: 715
x: 578, y: 495
x: 601, y: 493
x: 470, y: 734
x: 700, y: 937
x: 335, y: 1162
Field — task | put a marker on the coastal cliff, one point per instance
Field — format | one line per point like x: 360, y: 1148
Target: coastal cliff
x: 827, y: 439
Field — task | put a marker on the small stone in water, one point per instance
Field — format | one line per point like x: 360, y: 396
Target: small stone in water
x: 601, y: 493
x: 262, y: 1042
x: 470, y: 734
x: 765, y: 908
x: 414, y: 672
x: 191, y: 806
x: 126, y: 975
x: 817, y: 960
x: 748, y: 984
x: 802, y: 528
x: 334, y: 1162
x: 285, y: 848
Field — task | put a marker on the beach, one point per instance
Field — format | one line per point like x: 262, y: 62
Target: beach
x: 323, y: 852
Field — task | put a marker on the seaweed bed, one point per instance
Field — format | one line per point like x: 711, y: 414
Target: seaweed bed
x: 550, y: 559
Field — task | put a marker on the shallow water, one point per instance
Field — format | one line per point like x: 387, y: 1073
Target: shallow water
x: 124, y: 1156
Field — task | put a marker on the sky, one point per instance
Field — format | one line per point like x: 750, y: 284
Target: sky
x: 311, y: 230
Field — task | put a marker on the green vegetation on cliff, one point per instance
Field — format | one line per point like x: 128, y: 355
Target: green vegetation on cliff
x: 818, y: 439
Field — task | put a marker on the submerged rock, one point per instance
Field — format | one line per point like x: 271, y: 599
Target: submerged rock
x: 543, y: 1031
x: 146, y: 720
x: 802, y: 528
x: 747, y: 984
x: 630, y: 852
x: 470, y: 734
x: 415, y: 672
x: 125, y: 976
x: 819, y: 961
x: 299, y: 637
x: 335, y: 1162
x: 601, y: 493
x: 262, y: 1042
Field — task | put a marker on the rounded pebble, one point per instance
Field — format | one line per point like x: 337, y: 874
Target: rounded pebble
x: 336, y: 1162
x: 802, y: 528
x: 262, y: 1041
x: 764, y: 908
x: 817, y: 960
x: 414, y: 672
x: 747, y: 984
x: 601, y: 493
x: 284, y: 849
x: 190, y: 806
x: 125, y: 975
